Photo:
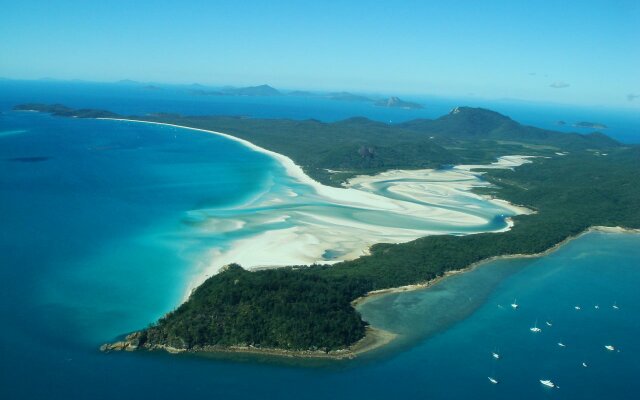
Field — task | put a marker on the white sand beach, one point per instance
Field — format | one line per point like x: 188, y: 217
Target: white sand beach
x: 323, y: 224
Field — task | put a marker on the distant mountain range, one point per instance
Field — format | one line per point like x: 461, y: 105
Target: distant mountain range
x: 264, y: 90
x: 267, y: 90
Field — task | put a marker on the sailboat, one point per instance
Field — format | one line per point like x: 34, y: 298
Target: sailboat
x: 549, y: 323
x: 514, y: 305
x: 609, y: 347
x: 584, y: 364
x: 561, y: 344
x: 535, y: 328
x: 495, y: 355
x: 615, y: 306
x: 493, y: 380
x: 577, y: 308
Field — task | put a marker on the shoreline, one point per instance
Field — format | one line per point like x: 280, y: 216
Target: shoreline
x: 375, y: 338
x: 428, y: 284
x: 442, y: 201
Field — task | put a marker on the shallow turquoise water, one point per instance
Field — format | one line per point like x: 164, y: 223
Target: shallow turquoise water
x: 467, y: 317
x: 97, y: 240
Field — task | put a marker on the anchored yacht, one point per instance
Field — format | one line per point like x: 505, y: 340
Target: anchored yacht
x: 547, y: 383
x: 535, y: 328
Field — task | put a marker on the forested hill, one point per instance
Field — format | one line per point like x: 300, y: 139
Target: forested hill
x: 362, y: 146
x: 466, y: 123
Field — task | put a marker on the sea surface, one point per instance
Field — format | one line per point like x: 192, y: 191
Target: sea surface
x: 98, y: 240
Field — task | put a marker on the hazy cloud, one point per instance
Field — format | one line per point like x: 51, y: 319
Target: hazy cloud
x: 632, y: 96
x: 559, y: 85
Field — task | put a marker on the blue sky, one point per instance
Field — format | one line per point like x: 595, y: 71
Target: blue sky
x: 585, y: 52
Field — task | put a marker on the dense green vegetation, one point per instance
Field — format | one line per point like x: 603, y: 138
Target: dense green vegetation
x: 276, y: 308
x: 570, y: 193
x: 595, y: 183
x: 361, y: 146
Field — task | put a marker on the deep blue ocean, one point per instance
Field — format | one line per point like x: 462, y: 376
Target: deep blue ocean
x: 94, y: 243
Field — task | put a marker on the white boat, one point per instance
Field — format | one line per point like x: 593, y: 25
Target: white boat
x: 584, y: 364
x: 597, y: 307
x: 514, y: 305
x: 609, y: 347
x: 577, y: 308
x: 493, y: 380
x: 535, y: 328
x: 495, y: 355
x: 615, y: 306
x: 549, y: 323
x: 547, y: 383
x: 561, y: 344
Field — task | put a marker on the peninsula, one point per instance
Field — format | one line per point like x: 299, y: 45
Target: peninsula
x: 309, y: 309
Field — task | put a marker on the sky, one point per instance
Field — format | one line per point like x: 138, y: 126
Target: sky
x: 585, y: 52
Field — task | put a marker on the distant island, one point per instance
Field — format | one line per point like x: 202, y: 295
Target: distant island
x: 395, y: 102
x: 64, y: 111
x: 593, y: 183
x: 267, y: 90
x: 261, y: 90
x: 591, y: 125
x: 346, y: 96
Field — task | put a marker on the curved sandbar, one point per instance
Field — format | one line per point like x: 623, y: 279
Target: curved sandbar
x: 301, y: 222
